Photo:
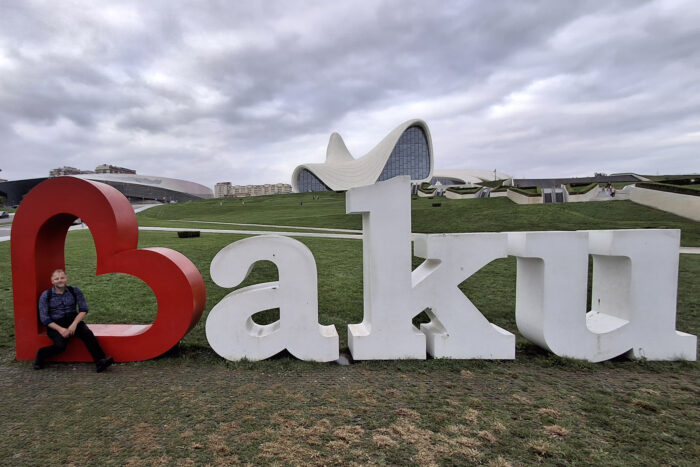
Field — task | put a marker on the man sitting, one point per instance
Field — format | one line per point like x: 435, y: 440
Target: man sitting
x: 57, y: 311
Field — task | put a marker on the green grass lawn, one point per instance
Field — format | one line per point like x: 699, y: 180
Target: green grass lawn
x: 192, y: 407
x: 474, y: 215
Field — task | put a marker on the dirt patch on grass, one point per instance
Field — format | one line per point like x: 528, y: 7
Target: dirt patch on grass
x: 471, y: 416
x: 487, y: 436
x: 407, y: 413
x: 556, y: 431
x: 547, y: 412
x: 287, y: 451
x: 349, y: 433
x: 144, y: 437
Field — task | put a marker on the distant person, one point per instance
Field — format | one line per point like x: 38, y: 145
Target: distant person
x: 57, y: 311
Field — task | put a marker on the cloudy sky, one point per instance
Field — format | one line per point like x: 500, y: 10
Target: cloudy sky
x: 244, y: 91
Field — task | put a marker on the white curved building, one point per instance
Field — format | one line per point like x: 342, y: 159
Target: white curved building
x: 407, y: 150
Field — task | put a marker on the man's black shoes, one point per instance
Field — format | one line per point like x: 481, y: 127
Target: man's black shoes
x: 38, y: 361
x: 104, y: 363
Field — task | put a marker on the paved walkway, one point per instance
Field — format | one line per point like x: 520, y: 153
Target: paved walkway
x: 273, y: 226
x: 327, y: 234
x: 260, y: 232
x: 143, y: 207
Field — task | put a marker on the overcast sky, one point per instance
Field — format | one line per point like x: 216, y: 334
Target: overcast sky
x: 244, y: 91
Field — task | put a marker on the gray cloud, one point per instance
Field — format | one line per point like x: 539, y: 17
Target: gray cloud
x: 244, y: 91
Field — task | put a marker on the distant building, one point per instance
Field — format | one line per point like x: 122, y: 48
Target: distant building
x: 226, y: 190
x: 152, y: 188
x: 112, y: 169
x: 406, y: 150
x: 100, y: 169
x: 65, y: 170
x: 222, y: 189
x: 136, y: 188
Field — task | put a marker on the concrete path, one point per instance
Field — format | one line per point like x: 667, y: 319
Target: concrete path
x: 321, y: 229
x: 259, y: 232
x: 5, y: 233
x: 143, y: 207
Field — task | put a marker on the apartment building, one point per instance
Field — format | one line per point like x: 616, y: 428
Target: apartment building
x: 65, y: 170
x: 227, y: 190
x: 112, y: 169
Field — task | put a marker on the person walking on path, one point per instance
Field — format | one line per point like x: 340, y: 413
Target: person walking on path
x: 57, y: 311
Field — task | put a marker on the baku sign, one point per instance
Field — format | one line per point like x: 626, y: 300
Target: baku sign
x: 635, y: 281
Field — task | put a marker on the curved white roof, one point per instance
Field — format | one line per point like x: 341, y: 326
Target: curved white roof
x: 471, y: 176
x: 342, y: 172
x: 174, y: 184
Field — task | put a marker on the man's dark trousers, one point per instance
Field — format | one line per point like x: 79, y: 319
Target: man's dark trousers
x: 59, y: 342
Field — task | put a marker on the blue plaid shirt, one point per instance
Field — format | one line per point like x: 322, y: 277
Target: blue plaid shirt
x: 61, y: 306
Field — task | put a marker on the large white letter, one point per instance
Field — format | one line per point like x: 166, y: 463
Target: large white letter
x: 386, y: 331
x: 635, y: 285
x: 457, y: 329
x: 394, y: 294
x: 635, y: 278
x: 550, y: 303
x: 230, y: 329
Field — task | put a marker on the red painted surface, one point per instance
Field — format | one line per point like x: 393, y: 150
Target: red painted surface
x: 38, y: 241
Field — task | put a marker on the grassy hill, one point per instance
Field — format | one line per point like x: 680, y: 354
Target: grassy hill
x: 474, y: 215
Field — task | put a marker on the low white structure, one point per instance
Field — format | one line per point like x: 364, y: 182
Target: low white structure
x: 520, y: 198
x: 675, y: 203
x: 466, y: 177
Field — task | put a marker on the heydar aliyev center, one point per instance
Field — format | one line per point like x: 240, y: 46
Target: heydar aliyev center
x: 406, y: 150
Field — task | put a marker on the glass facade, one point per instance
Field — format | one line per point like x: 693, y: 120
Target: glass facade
x: 409, y: 157
x: 309, y: 182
